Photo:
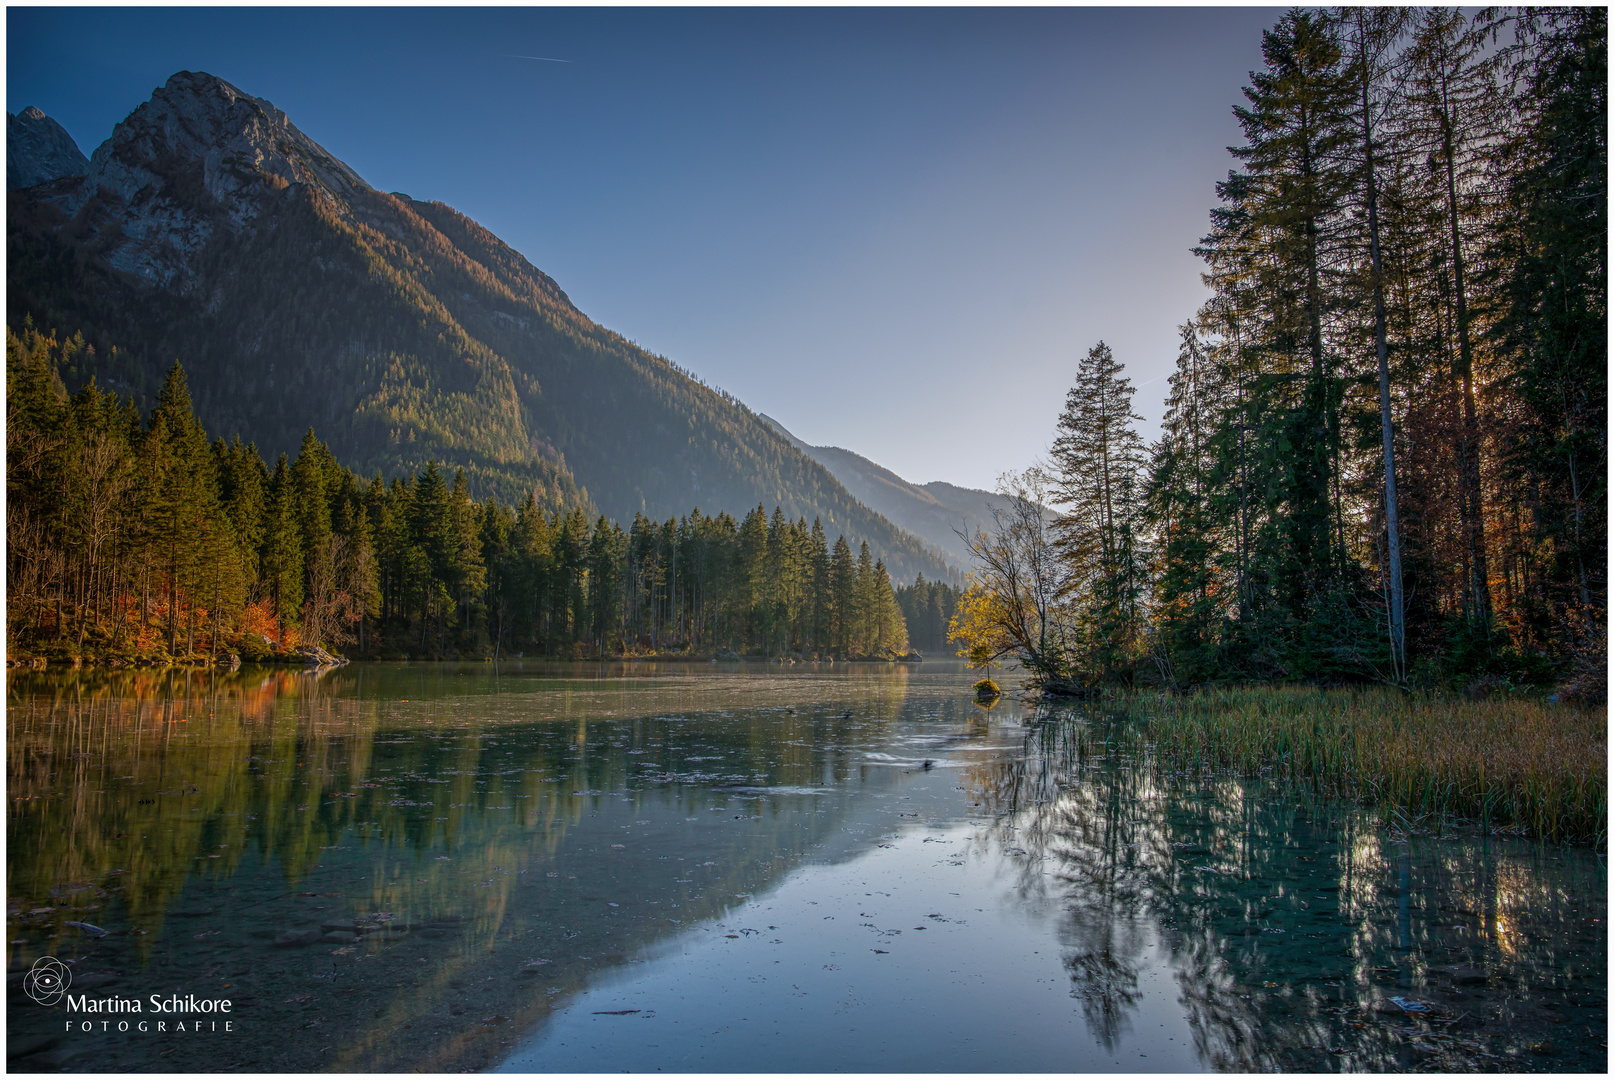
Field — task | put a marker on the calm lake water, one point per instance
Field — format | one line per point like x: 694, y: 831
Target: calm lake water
x: 709, y: 868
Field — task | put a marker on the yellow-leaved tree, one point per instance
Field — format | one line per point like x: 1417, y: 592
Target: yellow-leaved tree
x: 977, y: 626
x: 1014, y: 603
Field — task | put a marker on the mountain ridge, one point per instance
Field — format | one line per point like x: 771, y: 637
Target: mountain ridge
x: 936, y: 512
x: 209, y: 228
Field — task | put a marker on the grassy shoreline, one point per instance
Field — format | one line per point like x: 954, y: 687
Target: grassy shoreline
x: 1503, y: 763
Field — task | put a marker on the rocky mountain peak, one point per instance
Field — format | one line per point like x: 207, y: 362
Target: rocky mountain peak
x: 200, y: 155
x: 238, y: 140
x: 39, y: 150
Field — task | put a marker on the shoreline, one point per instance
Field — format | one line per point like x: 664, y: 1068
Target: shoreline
x: 233, y: 662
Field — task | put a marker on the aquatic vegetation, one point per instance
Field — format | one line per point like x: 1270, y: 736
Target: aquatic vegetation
x: 1504, y: 763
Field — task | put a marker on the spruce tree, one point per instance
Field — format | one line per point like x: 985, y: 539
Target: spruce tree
x: 752, y: 578
x: 818, y: 577
x: 1450, y: 112
x: 865, y: 604
x: 281, y: 557
x: 185, y: 511
x: 842, y: 598
x: 1191, y: 591
x: 1369, y: 35
x: 1550, y: 276
x: 1099, y: 460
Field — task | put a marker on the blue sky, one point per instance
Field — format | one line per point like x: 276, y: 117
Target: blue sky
x: 894, y: 230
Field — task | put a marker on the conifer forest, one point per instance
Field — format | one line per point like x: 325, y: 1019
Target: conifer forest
x: 1384, y: 452
x: 138, y: 540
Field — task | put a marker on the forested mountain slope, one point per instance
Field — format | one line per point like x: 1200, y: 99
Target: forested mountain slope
x: 211, y: 230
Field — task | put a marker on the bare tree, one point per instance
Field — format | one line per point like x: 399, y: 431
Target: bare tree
x: 340, y: 577
x: 1013, y: 605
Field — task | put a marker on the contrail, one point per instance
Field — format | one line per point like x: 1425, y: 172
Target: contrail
x: 551, y: 59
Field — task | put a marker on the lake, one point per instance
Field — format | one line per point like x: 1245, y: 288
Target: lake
x: 735, y: 867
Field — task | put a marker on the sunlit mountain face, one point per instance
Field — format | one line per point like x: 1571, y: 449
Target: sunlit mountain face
x: 208, y: 228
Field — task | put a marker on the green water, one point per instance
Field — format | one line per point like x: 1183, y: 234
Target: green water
x: 738, y: 868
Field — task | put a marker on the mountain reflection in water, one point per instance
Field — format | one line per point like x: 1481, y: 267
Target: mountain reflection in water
x: 498, y: 837
x: 395, y: 867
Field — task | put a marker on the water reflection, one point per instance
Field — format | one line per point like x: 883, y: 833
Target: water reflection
x: 389, y: 867
x: 398, y: 867
x: 1294, y: 925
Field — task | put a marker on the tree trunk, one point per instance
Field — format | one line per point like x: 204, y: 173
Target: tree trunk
x: 1392, y: 512
x: 1468, y: 445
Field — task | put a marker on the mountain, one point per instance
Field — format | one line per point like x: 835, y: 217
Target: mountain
x: 209, y: 228
x: 39, y: 150
x: 935, y: 512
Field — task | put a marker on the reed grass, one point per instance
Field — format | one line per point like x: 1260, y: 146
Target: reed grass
x: 1511, y: 764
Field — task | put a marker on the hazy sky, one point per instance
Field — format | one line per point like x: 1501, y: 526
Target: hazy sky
x: 893, y: 230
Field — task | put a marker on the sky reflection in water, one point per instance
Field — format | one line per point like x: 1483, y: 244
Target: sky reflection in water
x: 531, y: 854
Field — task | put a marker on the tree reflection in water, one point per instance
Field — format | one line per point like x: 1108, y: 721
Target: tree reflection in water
x: 500, y: 838
x: 1289, y: 924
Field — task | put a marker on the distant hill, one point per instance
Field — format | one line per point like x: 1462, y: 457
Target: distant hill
x: 935, y: 512
x: 208, y: 228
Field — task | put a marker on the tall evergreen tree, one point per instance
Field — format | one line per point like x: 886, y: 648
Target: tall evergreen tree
x: 1099, y: 461
x: 281, y: 558
x: 1550, y: 256
x: 1191, y: 591
x: 819, y: 588
x: 842, y: 598
x: 1370, y: 34
x: 1451, y: 112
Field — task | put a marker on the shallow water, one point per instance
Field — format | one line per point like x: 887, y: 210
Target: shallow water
x: 738, y: 868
